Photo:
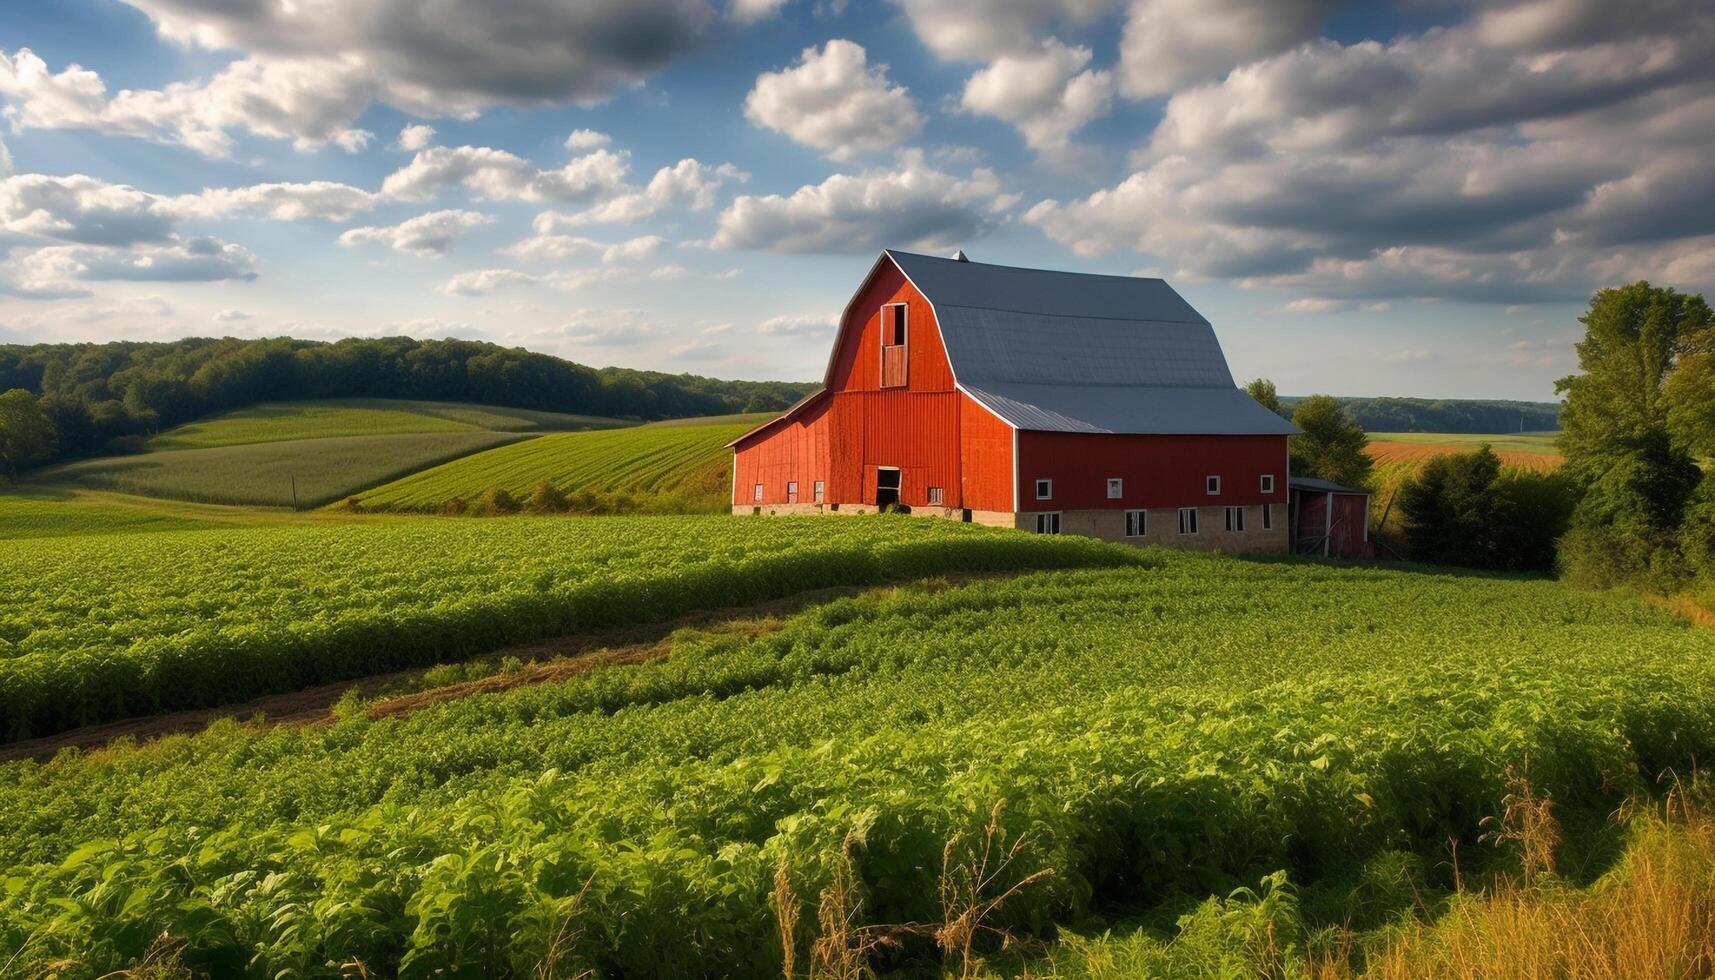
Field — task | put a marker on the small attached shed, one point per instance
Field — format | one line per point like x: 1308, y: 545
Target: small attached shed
x: 1329, y: 519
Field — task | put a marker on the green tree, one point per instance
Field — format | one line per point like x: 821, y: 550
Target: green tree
x: 1447, y: 509
x: 1263, y: 391
x: 1330, y: 444
x: 1632, y: 417
x: 26, y: 435
x: 1634, y: 338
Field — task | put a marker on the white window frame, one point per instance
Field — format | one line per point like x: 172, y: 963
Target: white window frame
x: 1212, y: 485
x: 1267, y: 483
x: 820, y: 489
x: 1048, y: 522
x: 936, y: 495
x: 1268, y: 517
x: 1136, y: 523
x: 791, y: 491
x: 1044, y: 489
x: 1116, y: 488
x: 1236, y: 519
x: 1187, y: 526
x: 756, y: 493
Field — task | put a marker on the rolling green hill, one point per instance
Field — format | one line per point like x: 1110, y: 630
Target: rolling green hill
x: 667, y: 469
x: 285, y: 421
x: 309, y: 472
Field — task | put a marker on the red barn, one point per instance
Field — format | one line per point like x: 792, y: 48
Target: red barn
x: 1048, y: 401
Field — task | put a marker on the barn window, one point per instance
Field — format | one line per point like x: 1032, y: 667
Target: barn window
x: 1267, y: 517
x: 791, y: 491
x: 1235, y: 518
x: 1136, y: 523
x: 893, y: 346
x: 1212, y: 484
x: 934, y: 495
x: 820, y: 489
x: 893, y: 325
x: 1187, y: 520
x: 1268, y: 483
x: 1044, y: 489
x: 1048, y: 523
x: 1116, y: 488
x: 756, y: 493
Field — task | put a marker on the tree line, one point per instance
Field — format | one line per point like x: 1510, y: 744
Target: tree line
x: 1634, y: 503
x: 69, y: 400
x: 1467, y: 415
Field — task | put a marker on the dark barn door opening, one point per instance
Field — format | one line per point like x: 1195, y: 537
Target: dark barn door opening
x: 886, y: 487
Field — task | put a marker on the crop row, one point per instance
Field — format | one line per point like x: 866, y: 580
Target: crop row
x: 1145, y: 732
x: 98, y: 629
x: 689, y: 463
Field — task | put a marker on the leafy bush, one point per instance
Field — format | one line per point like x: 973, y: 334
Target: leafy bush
x: 545, y: 498
x: 498, y: 500
x: 1462, y: 510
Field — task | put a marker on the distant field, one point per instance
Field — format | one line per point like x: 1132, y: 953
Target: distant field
x: 285, y: 421
x: 1521, y: 443
x: 263, y: 474
x: 682, y: 468
x: 751, y: 419
x: 38, y: 515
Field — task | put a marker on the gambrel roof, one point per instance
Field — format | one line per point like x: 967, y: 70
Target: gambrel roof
x: 1074, y: 352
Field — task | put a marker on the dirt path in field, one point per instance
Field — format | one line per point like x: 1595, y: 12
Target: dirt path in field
x: 545, y: 661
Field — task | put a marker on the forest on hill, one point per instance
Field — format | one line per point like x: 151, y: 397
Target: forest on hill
x: 92, y: 394
x: 1460, y: 415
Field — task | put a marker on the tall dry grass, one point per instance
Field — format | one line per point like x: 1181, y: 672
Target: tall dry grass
x: 1651, y: 917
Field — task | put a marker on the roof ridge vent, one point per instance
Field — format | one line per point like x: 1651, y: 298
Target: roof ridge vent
x: 960, y: 256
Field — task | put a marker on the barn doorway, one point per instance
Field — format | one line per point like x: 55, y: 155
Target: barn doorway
x: 886, y: 487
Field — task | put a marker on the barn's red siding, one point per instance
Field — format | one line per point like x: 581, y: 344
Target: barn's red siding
x: 795, y: 448
x: 1159, y: 471
x: 987, y: 444
x: 1347, y: 533
x: 861, y: 426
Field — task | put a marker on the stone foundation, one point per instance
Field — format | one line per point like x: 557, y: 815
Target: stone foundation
x: 1162, y: 524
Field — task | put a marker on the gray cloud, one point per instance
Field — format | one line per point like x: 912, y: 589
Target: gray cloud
x: 448, y: 56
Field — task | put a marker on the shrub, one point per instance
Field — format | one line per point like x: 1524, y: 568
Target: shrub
x: 498, y: 500
x: 545, y: 498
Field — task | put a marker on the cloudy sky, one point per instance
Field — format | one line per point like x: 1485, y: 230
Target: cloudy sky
x: 1365, y: 198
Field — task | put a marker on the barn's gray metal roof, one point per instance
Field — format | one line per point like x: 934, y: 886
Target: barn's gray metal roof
x: 1072, y: 352
x: 1323, y: 486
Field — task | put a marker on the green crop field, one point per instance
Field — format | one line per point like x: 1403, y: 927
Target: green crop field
x: 284, y: 421
x: 98, y: 628
x: 1016, y: 755
x: 37, y: 514
x: 266, y: 474
x: 1537, y: 443
x: 682, y: 468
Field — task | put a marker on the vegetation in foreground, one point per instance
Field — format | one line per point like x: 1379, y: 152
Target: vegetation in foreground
x: 909, y: 777
x: 1648, y: 915
x: 669, y: 469
x: 99, y: 628
x: 285, y: 421
x: 298, y: 473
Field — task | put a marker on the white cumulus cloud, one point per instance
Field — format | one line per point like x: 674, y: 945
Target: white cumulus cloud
x: 835, y: 101
x: 426, y: 234
x: 909, y: 205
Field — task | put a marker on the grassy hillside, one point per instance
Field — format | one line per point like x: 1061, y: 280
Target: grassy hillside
x: 682, y: 469
x: 993, y: 759
x: 284, y: 421
x: 263, y: 474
